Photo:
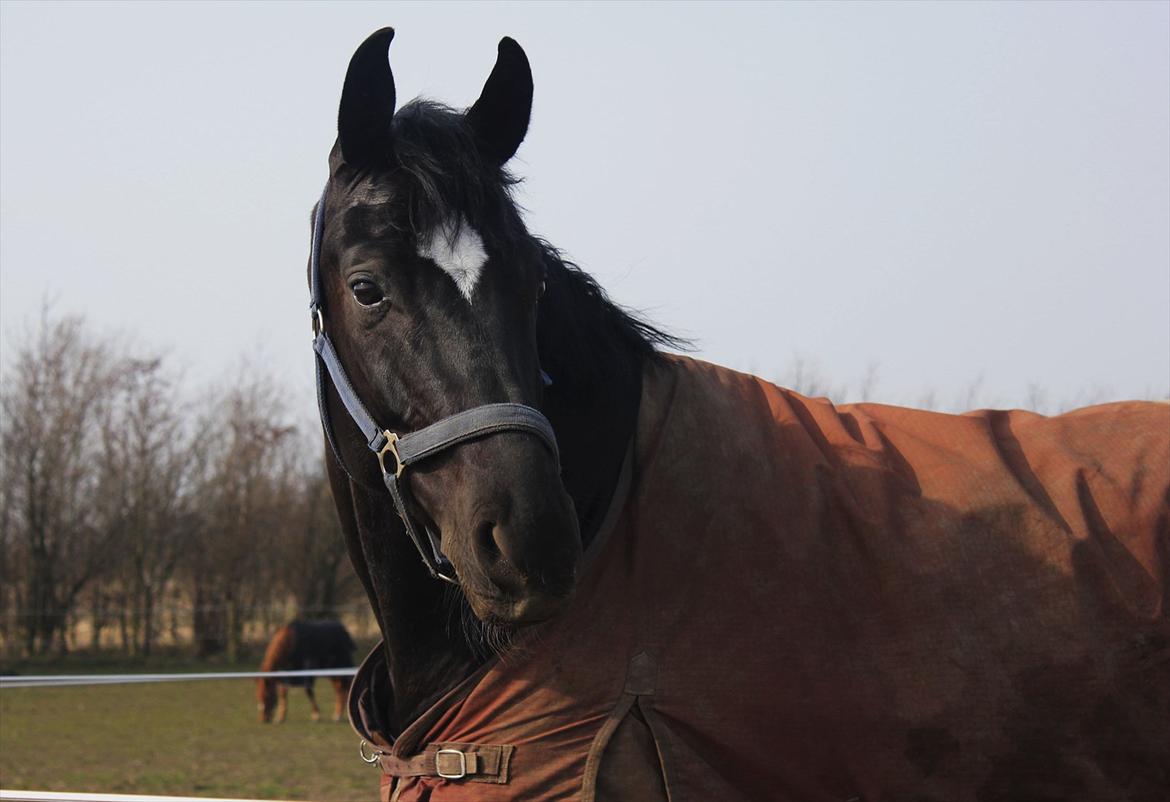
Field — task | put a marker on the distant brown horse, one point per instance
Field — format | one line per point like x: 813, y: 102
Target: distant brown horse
x: 298, y: 646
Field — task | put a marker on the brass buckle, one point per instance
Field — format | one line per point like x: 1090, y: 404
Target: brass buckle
x: 318, y: 323
x: 392, y: 447
x: 462, y: 764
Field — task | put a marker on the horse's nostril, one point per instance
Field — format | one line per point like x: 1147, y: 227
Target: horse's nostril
x: 485, y: 537
x: 490, y: 539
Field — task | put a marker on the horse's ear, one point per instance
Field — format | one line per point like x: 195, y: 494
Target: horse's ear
x: 367, y: 103
x: 500, y: 116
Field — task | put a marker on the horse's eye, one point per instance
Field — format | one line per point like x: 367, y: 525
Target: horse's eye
x: 366, y: 292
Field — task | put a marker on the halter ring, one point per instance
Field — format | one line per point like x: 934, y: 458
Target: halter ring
x: 373, y: 758
x: 391, y: 446
x: 318, y: 322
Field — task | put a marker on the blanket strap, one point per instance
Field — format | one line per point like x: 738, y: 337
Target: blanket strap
x: 483, y: 763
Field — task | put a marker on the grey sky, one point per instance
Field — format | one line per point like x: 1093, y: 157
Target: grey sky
x: 944, y: 190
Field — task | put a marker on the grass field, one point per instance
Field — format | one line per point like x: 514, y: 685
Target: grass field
x: 186, y: 738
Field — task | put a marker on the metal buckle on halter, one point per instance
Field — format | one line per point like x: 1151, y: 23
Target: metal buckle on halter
x: 460, y: 774
x: 391, y: 446
x: 318, y: 322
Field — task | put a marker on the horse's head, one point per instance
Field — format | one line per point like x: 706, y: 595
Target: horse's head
x: 265, y: 699
x: 430, y: 286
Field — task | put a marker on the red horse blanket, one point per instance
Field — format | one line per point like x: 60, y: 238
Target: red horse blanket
x: 797, y: 601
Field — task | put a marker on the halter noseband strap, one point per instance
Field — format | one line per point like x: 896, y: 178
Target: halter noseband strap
x: 397, y: 452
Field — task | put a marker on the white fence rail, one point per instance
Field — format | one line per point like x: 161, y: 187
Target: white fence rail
x: 62, y: 680
x: 70, y: 796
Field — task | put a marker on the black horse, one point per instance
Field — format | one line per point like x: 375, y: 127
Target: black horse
x: 779, y: 598
x: 440, y: 300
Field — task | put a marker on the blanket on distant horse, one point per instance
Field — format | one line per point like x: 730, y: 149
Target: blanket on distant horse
x: 798, y: 601
x: 315, y: 644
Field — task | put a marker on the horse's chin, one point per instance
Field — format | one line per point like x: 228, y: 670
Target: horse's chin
x: 529, y: 610
x: 537, y: 609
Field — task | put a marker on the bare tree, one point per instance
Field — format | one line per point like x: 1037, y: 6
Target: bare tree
x: 1036, y: 398
x: 243, y: 497
x: 868, y: 389
x: 804, y: 376
x: 315, y: 568
x: 117, y: 498
x: 146, y: 488
x: 56, y: 397
x: 972, y: 394
x: 10, y: 611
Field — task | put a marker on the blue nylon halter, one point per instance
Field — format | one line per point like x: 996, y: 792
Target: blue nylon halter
x: 409, y: 448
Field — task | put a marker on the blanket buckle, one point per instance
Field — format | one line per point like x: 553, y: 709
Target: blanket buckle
x: 459, y: 773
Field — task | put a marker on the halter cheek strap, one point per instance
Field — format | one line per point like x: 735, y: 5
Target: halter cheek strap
x: 397, y: 452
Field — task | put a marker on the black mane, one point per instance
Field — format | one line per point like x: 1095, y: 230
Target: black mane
x: 583, y: 335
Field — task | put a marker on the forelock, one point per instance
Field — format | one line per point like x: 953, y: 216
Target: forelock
x: 436, y: 181
x: 441, y: 173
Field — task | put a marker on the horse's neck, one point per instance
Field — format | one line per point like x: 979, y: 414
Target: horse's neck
x: 422, y: 673
x: 593, y: 433
x: 594, y: 357
x: 280, y: 648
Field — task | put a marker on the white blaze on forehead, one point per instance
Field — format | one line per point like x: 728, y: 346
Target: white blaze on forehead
x: 458, y: 250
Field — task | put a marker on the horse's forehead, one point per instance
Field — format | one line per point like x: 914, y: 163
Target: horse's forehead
x: 454, y: 245
x: 367, y: 193
x: 457, y: 249
x: 372, y: 209
x: 370, y: 193
x: 365, y: 209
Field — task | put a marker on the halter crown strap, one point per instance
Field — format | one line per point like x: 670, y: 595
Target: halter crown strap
x: 413, y: 447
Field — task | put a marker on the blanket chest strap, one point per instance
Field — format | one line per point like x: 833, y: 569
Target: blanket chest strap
x: 484, y: 763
